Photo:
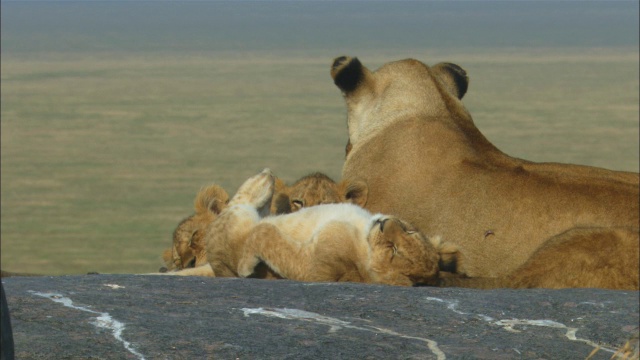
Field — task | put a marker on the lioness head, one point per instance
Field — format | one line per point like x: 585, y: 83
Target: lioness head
x: 402, y: 255
x: 315, y: 189
x: 189, y: 248
x: 375, y: 99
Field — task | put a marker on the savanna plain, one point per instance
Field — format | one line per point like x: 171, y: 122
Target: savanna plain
x: 102, y: 155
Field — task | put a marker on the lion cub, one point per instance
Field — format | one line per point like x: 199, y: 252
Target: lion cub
x: 189, y: 245
x: 189, y: 249
x: 341, y: 242
x: 315, y: 189
x: 224, y: 237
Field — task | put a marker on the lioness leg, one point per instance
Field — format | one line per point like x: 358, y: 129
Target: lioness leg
x: 579, y: 258
x: 584, y: 257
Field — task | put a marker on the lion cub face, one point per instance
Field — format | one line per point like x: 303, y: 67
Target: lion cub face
x: 402, y: 255
x: 316, y: 189
x: 189, y: 246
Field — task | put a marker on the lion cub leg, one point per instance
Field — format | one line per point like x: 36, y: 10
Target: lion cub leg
x: 256, y: 192
x: 328, y: 256
x: 266, y: 243
x: 227, y: 235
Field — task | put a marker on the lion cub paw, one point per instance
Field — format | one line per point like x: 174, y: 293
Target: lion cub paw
x: 247, y: 265
x: 256, y: 191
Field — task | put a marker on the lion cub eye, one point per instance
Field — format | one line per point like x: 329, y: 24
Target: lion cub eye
x: 298, y: 204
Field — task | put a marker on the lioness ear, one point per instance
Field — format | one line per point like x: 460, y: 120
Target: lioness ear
x: 348, y: 73
x: 355, y: 191
x: 454, y: 78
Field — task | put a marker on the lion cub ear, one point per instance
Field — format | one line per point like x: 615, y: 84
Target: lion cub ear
x: 454, y: 78
x: 451, y: 259
x: 212, y: 198
x: 280, y: 202
x: 354, y: 191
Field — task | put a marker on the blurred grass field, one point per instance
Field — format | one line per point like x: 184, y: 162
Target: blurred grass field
x: 102, y: 155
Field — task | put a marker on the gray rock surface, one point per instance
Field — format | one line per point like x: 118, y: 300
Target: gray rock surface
x: 163, y: 317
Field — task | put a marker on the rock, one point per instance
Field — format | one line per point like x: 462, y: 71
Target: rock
x: 168, y: 317
x: 6, y: 334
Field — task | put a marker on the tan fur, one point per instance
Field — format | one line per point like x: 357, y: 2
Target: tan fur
x: 341, y: 242
x: 414, y: 144
x: 189, y: 248
x: 189, y: 244
x: 568, y: 260
x: 224, y: 237
x: 314, y: 189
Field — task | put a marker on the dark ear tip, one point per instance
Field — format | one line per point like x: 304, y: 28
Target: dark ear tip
x: 338, y: 61
x: 459, y: 77
x: 347, y: 73
x: 457, y: 69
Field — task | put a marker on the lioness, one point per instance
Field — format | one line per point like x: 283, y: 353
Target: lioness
x: 341, y: 242
x: 414, y: 144
x: 567, y: 260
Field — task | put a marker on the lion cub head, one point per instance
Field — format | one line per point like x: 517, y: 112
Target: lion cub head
x: 189, y: 247
x: 402, y: 255
x: 316, y: 189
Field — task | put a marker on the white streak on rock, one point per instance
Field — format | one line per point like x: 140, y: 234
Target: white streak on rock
x: 453, y: 306
x: 103, y: 320
x: 337, y: 324
x: 509, y: 324
x: 114, y: 286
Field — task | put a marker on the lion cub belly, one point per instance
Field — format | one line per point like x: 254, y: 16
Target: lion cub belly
x: 306, y: 223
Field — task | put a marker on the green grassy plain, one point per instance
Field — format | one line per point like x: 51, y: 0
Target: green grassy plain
x: 102, y: 155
